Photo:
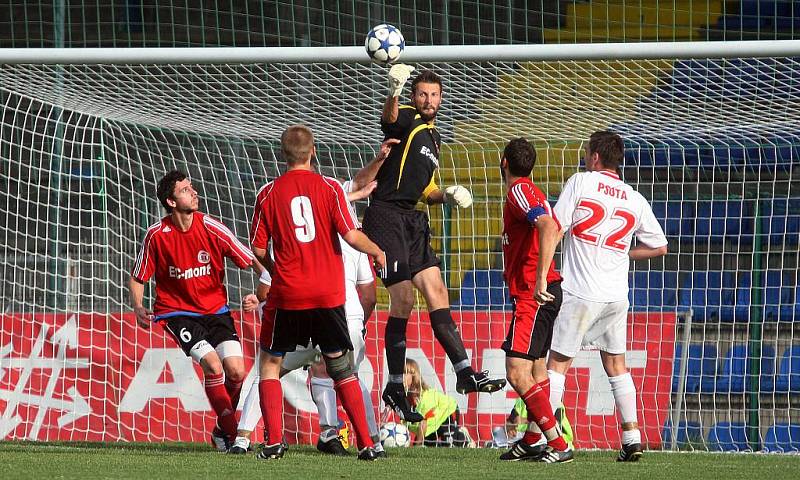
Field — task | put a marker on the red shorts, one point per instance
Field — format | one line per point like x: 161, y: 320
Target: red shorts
x: 531, y: 329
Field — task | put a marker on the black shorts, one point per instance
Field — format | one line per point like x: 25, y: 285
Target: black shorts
x: 531, y: 329
x: 405, y: 237
x: 284, y: 330
x: 188, y: 330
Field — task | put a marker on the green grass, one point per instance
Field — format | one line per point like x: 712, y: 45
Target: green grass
x: 28, y: 460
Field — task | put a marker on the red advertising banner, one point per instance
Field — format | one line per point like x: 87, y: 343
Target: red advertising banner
x: 100, y: 377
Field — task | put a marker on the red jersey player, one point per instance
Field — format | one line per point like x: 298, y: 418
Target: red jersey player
x: 600, y: 215
x: 301, y: 212
x: 530, y: 235
x: 186, y: 252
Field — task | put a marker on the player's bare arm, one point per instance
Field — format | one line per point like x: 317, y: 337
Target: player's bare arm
x: 137, y: 295
x: 362, y: 192
x: 360, y: 242
x: 370, y: 170
x: 643, y: 252
x: 548, y: 239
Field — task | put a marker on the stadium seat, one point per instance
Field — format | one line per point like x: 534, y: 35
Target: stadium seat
x: 686, y: 433
x: 728, y: 436
x: 733, y: 375
x: 706, y: 292
x: 653, y: 290
x: 779, y: 295
x: 484, y: 289
x: 721, y: 220
x: 781, y: 221
x: 788, y: 377
x: 675, y: 218
x: 782, y: 437
x: 701, y: 367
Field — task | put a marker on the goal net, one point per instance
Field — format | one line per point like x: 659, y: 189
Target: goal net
x: 713, y: 345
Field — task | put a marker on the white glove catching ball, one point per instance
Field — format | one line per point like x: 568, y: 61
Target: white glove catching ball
x: 458, y: 195
x: 398, y: 76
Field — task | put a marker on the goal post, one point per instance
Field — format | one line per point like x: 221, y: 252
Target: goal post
x: 710, y: 140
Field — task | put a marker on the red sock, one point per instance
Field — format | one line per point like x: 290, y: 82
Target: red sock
x: 545, y: 386
x: 271, y: 400
x: 233, y: 389
x: 221, y: 403
x: 539, y: 410
x: 348, y: 392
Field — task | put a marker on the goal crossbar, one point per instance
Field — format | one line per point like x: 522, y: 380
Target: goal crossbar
x: 427, y: 53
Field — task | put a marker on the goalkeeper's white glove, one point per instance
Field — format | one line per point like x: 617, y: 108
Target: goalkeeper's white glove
x: 458, y: 195
x: 398, y: 76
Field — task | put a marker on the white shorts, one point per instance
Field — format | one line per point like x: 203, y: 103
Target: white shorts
x: 585, y: 323
x: 305, y: 356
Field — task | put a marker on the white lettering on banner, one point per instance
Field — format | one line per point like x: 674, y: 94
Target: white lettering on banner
x: 73, y: 408
x: 186, y: 385
x: 494, y: 360
x: 600, y: 400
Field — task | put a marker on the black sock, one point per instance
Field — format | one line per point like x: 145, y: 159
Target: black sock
x: 444, y: 329
x: 395, y: 341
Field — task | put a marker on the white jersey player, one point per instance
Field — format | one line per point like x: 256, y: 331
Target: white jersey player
x: 359, y: 303
x: 600, y: 214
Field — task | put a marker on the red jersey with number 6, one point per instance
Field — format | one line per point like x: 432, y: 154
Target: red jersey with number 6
x: 600, y: 214
x: 521, y: 238
x: 302, y: 212
x: 189, y: 267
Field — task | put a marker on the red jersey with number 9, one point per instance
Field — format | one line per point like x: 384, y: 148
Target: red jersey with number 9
x: 600, y: 214
x: 302, y: 212
x: 521, y: 238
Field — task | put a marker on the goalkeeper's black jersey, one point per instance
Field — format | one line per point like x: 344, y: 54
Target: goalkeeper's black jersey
x: 406, y: 175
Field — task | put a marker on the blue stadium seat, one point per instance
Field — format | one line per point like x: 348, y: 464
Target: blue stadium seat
x: 788, y: 376
x: 728, y: 436
x: 701, y: 368
x: 686, y: 433
x: 653, y: 290
x: 734, y: 372
x: 781, y: 221
x: 722, y: 220
x: 782, y: 437
x: 779, y: 295
x: 675, y: 218
x: 484, y: 289
x: 706, y: 292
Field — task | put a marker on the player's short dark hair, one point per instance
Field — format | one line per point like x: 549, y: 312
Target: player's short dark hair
x: 521, y: 157
x: 297, y: 142
x: 166, y: 187
x: 426, y: 76
x: 608, y: 145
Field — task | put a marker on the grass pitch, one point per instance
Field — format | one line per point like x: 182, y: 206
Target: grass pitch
x: 29, y: 460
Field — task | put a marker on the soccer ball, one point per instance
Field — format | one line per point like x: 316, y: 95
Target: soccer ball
x: 394, y: 435
x: 384, y: 43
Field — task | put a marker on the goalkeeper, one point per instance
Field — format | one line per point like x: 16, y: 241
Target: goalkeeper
x: 391, y: 221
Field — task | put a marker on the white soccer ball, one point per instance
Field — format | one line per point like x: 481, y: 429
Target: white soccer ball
x: 385, y: 43
x: 395, y: 435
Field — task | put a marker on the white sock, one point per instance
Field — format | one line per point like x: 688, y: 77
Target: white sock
x: 370, y: 409
x: 631, y: 436
x: 557, y: 382
x: 625, y: 396
x: 251, y: 410
x: 324, y: 397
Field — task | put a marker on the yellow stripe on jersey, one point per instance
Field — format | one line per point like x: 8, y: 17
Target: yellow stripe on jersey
x: 432, y: 187
x: 405, y: 150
